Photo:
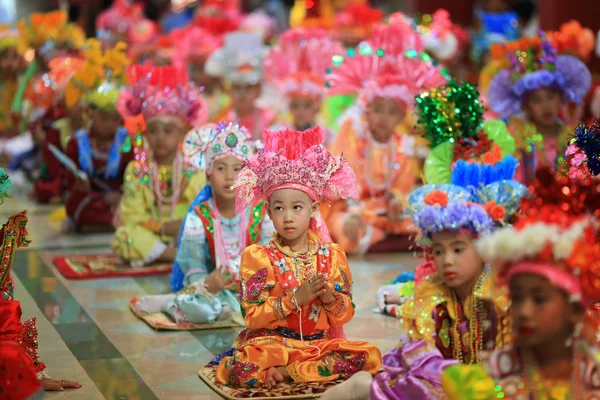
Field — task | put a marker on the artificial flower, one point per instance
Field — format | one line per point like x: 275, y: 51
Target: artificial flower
x: 495, y: 211
x: 436, y: 197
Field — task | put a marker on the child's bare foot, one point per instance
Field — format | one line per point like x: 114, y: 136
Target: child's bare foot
x: 276, y: 375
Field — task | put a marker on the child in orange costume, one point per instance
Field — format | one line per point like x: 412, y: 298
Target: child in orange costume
x: 375, y: 140
x: 297, y: 289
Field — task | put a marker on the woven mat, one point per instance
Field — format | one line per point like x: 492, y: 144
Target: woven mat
x: 161, y: 321
x: 282, y: 391
x: 92, y: 266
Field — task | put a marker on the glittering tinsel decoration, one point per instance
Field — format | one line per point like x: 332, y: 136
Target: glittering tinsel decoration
x: 448, y: 113
x: 588, y: 140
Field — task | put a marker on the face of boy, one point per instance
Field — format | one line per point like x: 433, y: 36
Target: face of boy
x: 105, y: 122
x: 163, y: 135
x: 456, y: 260
x: 542, y: 315
x: 304, y: 111
x: 222, y: 176
x: 291, y: 211
x: 243, y: 96
x: 383, y: 115
x: 543, y: 106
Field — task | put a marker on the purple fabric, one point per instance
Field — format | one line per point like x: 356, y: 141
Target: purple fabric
x: 412, y: 371
x: 571, y: 76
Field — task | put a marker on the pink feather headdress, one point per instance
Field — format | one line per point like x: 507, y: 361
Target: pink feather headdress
x: 395, y: 39
x: 299, y: 64
x: 373, y: 75
x: 296, y: 160
x: 161, y: 91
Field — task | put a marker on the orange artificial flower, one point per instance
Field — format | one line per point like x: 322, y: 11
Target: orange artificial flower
x: 436, y: 197
x: 492, y: 157
x: 135, y: 124
x: 496, y: 212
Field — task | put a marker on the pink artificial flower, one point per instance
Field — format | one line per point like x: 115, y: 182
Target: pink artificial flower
x: 572, y: 149
x: 578, y: 159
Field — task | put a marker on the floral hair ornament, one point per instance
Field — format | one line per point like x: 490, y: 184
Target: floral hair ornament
x: 297, y: 66
x: 534, y: 65
x: 296, y: 160
x: 556, y: 237
x: 156, y: 91
x: 100, y: 78
x: 209, y: 143
x: 445, y: 207
x: 583, y: 153
x: 450, y: 118
x: 219, y: 17
x: 240, y: 60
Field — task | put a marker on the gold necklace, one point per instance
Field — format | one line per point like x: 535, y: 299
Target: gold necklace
x: 475, y: 325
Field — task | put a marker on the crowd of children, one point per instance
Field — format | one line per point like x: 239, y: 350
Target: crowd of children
x: 255, y: 163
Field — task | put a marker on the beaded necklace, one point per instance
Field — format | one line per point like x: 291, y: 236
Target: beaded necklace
x: 539, y: 389
x: 223, y: 251
x: 475, y: 325
x: 176, y: 171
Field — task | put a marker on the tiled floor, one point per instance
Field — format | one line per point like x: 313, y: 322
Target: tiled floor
x: 88, y: 333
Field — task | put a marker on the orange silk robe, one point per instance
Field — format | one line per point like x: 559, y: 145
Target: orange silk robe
x: 382, y: 171
x: 274, y: 323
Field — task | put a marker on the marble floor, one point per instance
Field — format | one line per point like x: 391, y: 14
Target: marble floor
x: 88, y: 334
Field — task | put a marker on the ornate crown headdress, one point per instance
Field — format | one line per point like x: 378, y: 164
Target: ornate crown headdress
x: 240, y: 59
x: 299, y: 63
x: 155, y: 91
x: 534, y: 65
x: 296, y: 160
x: 101, y: 76
x: 209, y: 143
x: 556, y: 237
x: 450, y: 118
x: 445, y: 207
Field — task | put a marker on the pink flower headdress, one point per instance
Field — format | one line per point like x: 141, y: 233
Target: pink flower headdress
x: 296, y: 160
x: 373, y: 74
x: 161, y: 91
x: 299, y: 64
